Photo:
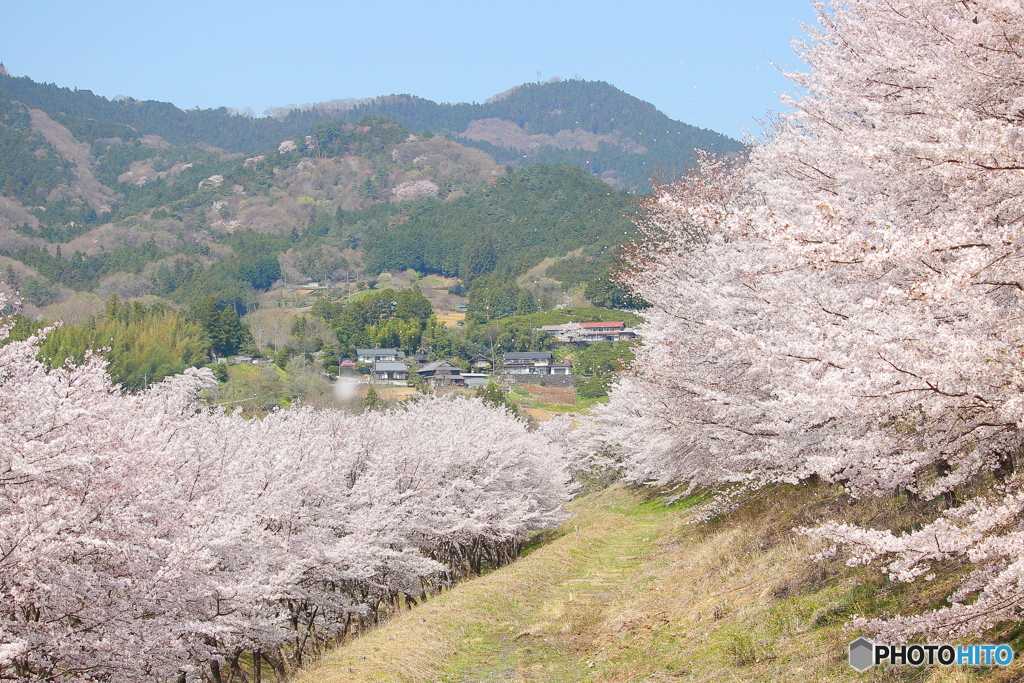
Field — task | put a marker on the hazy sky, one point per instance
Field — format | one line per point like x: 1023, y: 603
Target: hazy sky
x: 705, y: 63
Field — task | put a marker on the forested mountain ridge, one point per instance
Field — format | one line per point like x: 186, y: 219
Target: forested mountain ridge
x: 591, y: 124
x: 506, y: 227
x: 184, y: 222
x: 91, y: 117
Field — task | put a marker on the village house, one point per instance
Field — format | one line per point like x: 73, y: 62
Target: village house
x: 395, y: 371
x: 590, y: 332
x: 374, y: 355
x: 476, y: 379
x: 480, y: 362
x: 533, y: 363
x: 441, y: 372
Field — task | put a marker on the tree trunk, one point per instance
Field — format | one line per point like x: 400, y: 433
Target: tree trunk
x: 943, y: 468
x: 277, y: 664
x: 235, y: 669
x: 1005, y: 467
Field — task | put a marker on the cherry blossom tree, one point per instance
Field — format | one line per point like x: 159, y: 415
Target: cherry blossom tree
x: 845, y: 303
x: 145, y: 536
x: 80, y: 555
x: 572, y: 332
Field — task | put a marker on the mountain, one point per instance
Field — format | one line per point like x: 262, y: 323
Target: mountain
x: 106, y: 206
x: 138, y: 198
x: 591, y: 124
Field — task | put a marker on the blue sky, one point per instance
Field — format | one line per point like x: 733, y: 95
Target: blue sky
x: 704, y: 63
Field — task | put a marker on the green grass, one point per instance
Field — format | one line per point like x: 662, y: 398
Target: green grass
x: 582, y: 405
x: 362, y: 294
x: 431, y: 282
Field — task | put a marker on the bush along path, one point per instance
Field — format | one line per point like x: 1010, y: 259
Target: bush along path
x: 629, y: 592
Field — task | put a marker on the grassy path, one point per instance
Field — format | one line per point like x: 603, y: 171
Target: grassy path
x: 526, y: 622
x: 631, y: 594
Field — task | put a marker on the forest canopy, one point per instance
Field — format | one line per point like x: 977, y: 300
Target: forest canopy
x: 505, y: 227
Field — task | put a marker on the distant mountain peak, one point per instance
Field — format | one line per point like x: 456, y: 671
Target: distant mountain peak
x: 591, y: 124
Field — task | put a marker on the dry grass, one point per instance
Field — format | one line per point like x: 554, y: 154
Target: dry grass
x: 84, y: 185
x: 630, y: 592
x: 77, y: 308
x: 500, y: 620
x: 537, y: 413
x: 553, y: 395
x: 508, y: 134
x: 12, y: 213
x: 451, y: 319
x: 393, y: 393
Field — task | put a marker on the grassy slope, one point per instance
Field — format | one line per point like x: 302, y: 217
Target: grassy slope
x: 629, y: 592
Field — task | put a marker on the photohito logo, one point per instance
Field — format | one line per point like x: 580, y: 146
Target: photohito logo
x: 864, y: 654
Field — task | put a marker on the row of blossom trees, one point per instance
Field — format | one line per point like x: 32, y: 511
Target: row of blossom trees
x: 145, y: 537
x: 846, y: 303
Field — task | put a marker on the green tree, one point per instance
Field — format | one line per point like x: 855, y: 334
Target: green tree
x: 142, y: 345
x: 372, y: 400
x: 225, y: 331
x: 261, y: 272
x: 220, y: 371
x: 525, y: 303
x: 496, y: 396
x: 605, y: 292
x: 38, y: 291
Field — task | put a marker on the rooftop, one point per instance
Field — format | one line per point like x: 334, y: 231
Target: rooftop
x: 527, y: 355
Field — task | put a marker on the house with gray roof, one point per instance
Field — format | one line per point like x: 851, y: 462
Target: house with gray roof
x: 441, y: 372
x: 395, y: 371
x: 374, y: 355
x: 533, y: 363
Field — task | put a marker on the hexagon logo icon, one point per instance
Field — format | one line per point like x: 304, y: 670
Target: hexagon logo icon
x: 862, y: 654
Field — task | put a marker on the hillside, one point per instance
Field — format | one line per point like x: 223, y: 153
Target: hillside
x: 630, y: 592
x: 506, y: 227
x: 140, y: 198
x: 152, y: 218
x: 591, y: 124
